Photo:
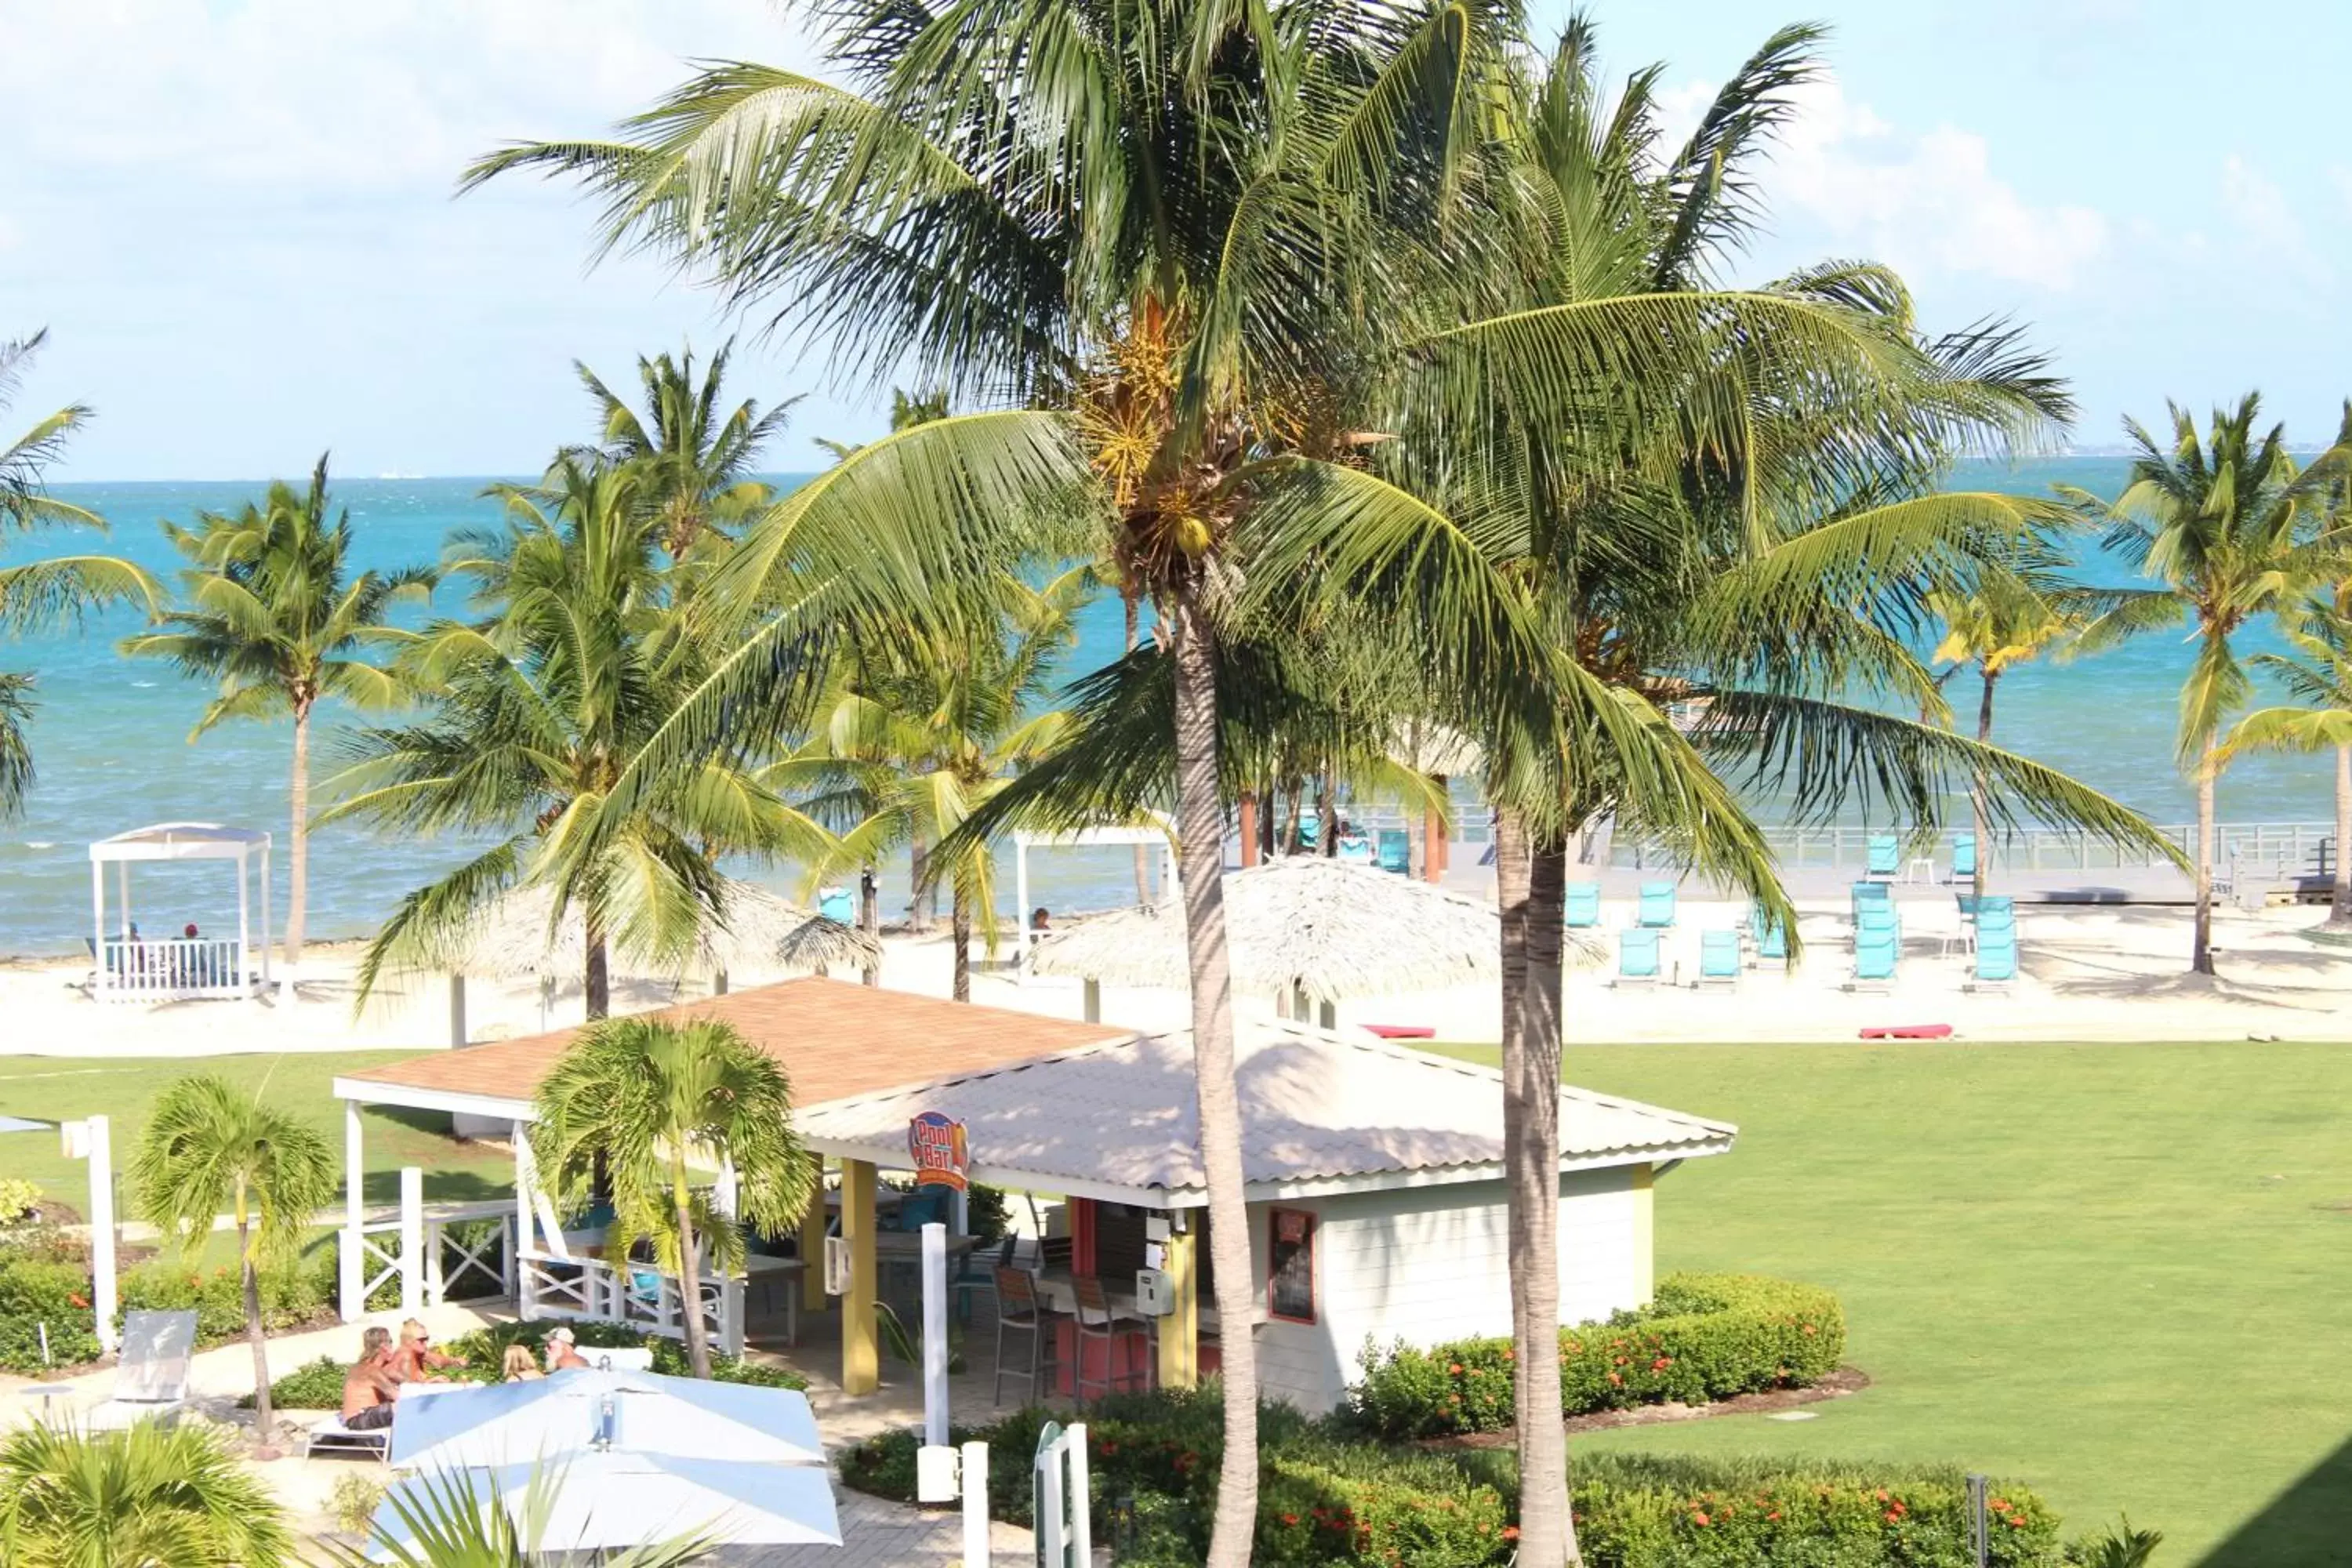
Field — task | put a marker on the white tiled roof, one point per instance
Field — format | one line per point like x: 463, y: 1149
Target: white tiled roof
x: 1315, y: 1107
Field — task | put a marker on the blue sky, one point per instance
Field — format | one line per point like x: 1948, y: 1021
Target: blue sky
x: 236, y: 218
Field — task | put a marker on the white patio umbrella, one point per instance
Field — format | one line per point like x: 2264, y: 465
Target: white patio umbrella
x: 642, y: 1412
x: 1302, y: 924
x: 602, y: 1501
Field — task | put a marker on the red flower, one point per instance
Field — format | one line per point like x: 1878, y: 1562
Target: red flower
x: 2017, y: 1522
x: 1510, y: 1532
x: 2000, y: 1504
x: 1774, y: 1515
x: 1456, y: 1369
x: 79, y: 1299
x: 1893, y: 1517
x: 1290, y: 1518
x: 1510, y: 1355
x: 1661, y: 1363
x: 1698, y: 1518
x: 1615, y: 1379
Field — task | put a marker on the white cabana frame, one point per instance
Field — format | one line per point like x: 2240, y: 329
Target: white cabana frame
x: 178, y: 968
x: 1159, y: 830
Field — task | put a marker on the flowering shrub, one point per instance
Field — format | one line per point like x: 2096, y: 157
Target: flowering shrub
x: 44, y: 1283
x: 1329, y: 1497
x: 1653, y: 1511
x: 1702, y: 1337
x: 18, y: 1199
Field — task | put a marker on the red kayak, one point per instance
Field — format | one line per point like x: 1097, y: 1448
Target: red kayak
x: 1400, y: 1031
x: 1909, y: 1031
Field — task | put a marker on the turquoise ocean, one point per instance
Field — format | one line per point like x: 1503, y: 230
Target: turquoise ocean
x: 110, y: 737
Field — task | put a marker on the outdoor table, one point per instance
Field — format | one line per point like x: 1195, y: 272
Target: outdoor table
x: 772, y: 1274
x: 1921, y: 868
x: 899, y: 1254
x: 48, y: 1394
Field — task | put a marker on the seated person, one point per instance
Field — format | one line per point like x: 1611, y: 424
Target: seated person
x: 370, y: 1387
x: 517, y: 1366
x: 416, y: 1361
x: 560, y: 1354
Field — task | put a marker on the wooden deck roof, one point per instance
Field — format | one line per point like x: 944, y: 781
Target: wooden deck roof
x: 834, y: 1038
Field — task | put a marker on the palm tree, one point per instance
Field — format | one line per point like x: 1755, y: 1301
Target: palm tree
x: 451, y: 1519
x: 1231, y: 229
x: 2007, y: 620
x: 695, y: 466
x: 932, y: 728
x: 636, y: 1099
x: 42, y: 592
x: 154, y: 1495
x: 209, y: 1150
x: 275, y: 614
x: 2230, y: 528
x: 579, y: 655
x: 2319, y: 675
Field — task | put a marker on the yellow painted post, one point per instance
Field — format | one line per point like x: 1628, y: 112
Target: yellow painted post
x: 812, y: 1223
x: 861, y: 1332
x: 1180, y: 1330
x: 1644, y: 1229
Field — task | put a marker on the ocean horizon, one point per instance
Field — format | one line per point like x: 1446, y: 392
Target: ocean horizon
x: 111, y: 751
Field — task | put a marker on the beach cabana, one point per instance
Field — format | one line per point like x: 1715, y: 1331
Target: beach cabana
x: 835, y: 1038
x: 1303, y: 929
x: 1375, y: 1189
x: 172, y: 966
x: 1159, y: 833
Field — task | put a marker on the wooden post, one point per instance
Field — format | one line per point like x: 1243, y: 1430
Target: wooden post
x: 861, y: 1333
x: 1246, y: 819
x: 812, y: 1218
x: 1180, y: 1330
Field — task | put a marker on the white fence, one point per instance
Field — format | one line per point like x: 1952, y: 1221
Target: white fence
x: 635, y: 1295
x: 170, y: 969
x: 418, y: 1248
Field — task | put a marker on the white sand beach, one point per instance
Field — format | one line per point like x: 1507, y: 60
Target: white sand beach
x: 2090, y: 972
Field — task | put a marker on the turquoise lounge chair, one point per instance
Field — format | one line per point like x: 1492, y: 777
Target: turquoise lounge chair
x: 1719, y: 958
x: 1637, y: 957
x: 1996, y: 964
x: 1772, y: 941
x: 1964, y: 856
x: 1874, y: 956
x: 1996, y: 916
x: 1885, y: 857
x: 1583, y: 905
x: 1656, y: 911
x: 835, y: 904
x: 1396, y: 851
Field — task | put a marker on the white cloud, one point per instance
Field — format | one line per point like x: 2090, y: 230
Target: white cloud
x: 1924, y: 200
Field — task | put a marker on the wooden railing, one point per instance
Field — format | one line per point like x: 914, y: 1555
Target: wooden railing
x: 170, y: 969
x: 635, y: 1295
x: 446, y: 1268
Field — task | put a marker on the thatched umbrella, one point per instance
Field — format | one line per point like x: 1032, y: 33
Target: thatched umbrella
x: 512, y: 938
x: 1302, y: 927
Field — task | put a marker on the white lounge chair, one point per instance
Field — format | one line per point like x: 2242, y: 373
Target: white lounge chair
x: 330, y: 1436
x: 151, y: 1378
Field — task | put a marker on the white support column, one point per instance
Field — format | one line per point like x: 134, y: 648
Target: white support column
x: 264, y: 918
x: 975, y: 1505
x: 98, y: 922
x: 244, y: 924
x: 122, y: 893
x: 935, y: 1334
x: 456, y: 1012
x: 731, y: 1308
x: 524, y: 1177
x: 352, y: 1277
x: 411, y: 1240
x: 102, y: 1294
x: 1021, y: 905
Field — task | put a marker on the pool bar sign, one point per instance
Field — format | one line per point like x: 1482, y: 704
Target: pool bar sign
x: 941, y: 1157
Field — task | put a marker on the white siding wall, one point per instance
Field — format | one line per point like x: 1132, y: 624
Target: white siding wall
x: 1431, y: 1264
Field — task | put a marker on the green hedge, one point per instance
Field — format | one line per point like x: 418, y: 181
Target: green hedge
x: 45, y: 1280
x: 1329, y: 1497
x: 319, y: 1384
x: 1702, y: 1337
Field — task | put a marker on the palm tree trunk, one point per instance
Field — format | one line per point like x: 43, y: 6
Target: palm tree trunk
x: 919, y: 914
x: 1531, y: 878
x: 298, y: 837
x: 689, y: 1273
x: 1976, y: 785
x: 2340, y: 904
x: 959, y: 924
x: 1327, y: 811
x: 1143, y: 854
x: 264, y: 1417
x: 2200, y: 960
x: 1200, y: 820
x: 596, y: 976
x: 870, y: 916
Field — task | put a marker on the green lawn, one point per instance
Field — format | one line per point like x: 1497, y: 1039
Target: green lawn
x: 2116, y: 1272
x: 51, y: 1088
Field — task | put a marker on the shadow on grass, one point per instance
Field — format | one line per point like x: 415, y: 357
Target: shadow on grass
x: 2305, y: 1526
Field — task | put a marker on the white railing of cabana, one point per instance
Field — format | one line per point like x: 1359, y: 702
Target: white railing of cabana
x: 172, y: 969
